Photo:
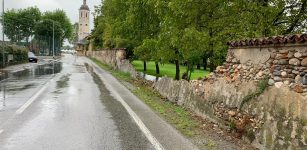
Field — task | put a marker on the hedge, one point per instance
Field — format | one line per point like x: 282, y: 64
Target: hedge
x: 20, y: 54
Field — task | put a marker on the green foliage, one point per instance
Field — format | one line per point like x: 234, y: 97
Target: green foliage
x: 262, y: 86
x: 145, y: 51
x: 191, y: 31
x: 45, y: 28
x: 75, y: 35
x: 60, y: 18
x: 19, y: 24
x: 20, y: 54
x: 250, y: 134
x: 167, y: 69
x: 232, y: 126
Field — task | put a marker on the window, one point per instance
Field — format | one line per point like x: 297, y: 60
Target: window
x: 81, y: 14
x: 80, y: 24
x: 86, y: 15
x: 85, y: 24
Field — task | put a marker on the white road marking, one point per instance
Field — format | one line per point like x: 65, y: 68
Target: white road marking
x: 1, y: 131
x: 32, y: 99
x: 135, y: 117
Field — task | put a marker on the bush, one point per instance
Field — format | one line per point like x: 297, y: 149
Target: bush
x: 20, y: 54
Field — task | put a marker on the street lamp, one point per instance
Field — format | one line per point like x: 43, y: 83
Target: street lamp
x: 3, y: 60
x: 53, y: 39
x: 3, y: 56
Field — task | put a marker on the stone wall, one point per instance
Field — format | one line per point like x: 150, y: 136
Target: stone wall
x: 115, y: 58
x: 274, y: 120
x: 277, y: 119
x: 283, y: 65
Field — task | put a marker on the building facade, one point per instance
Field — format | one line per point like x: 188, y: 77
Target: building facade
x: 84, y: 21
x: 83, y: 28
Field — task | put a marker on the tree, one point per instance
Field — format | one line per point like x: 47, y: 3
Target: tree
x: 149, y: 51
x: 142, y: 23
x: 62, y: 20
x: 45, y: 29
x: 171, y: 29
x: 193, y: 31
x: 74, y: 37
x: 272, y: 17
x: 29, y: 18
x: 19, y: 24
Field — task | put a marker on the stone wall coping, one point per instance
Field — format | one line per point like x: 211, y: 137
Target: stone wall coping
x: 271, y: 45
x: 267, y: 41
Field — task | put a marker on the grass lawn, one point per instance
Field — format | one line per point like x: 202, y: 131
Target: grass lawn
x: 167, y: 69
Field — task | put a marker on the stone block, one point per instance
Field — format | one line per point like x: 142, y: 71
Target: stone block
x: 298, y: 79
x: 277, y: 79
x: 298, y: 55
x: 294, y: 61
x: 304, y: 62
x: 271, y: 82
x: 290, y: 54
x: 278, y: 84
x: 299, y: 89
x: 284, y: 74
x: 304, y: 80
x: 281, y: 56
x: 285, y: 62
x: 283, y: 51
x: 276, y: 73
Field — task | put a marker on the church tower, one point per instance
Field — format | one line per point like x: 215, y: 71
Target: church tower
x: 84, y: 21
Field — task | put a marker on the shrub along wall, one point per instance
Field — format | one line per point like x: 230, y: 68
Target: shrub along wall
x: 20, y: 54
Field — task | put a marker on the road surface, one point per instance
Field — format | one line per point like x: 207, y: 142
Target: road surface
x: 74, y: 105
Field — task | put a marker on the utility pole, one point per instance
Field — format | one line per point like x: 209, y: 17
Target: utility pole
x: 3, y: 60
x: 53, y: 39
x: 3, y: 55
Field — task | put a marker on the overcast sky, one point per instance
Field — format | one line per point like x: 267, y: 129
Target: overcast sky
x: 71, y: 7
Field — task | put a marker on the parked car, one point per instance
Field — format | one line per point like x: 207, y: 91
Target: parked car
x: 32, y: 57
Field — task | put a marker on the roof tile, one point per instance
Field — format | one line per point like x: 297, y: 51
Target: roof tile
x: 280, y: 39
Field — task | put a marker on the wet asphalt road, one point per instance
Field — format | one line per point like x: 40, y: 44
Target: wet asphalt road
x: 71, y: 108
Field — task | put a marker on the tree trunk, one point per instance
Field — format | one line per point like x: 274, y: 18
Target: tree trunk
x: 212, y: 67
x: 177, y: 77
x: 190, y: 73
x: 198, y: 66
x: 205, y: 62
x: 145, y: 66
x: 157, y: 68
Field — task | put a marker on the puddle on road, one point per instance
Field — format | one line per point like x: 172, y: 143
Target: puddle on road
x: 14, y: 81
x: 63, y: 82
x: 20, y: 87
x: 37, y: 71
x: 130, y: 134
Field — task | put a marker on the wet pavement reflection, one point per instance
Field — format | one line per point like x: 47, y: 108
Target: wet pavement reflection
x: 15, y: 81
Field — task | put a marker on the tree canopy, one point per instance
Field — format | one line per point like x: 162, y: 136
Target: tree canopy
x: 192, y: 32
x: 60, y: 17
x: 19, y: 24
x: 22, y: 24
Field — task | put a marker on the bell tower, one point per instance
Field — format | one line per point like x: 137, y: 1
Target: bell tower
x: 84, y: 21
